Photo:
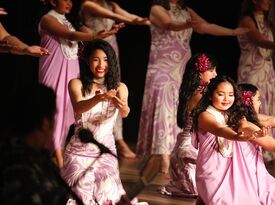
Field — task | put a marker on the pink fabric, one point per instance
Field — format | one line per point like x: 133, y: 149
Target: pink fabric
x: 56, y: 70
x: 236, y: 180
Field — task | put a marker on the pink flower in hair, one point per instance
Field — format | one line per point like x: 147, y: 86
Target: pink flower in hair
x: 202, y: 64
x: 247, y: 97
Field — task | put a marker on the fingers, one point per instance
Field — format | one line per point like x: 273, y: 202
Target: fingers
x: 142, y: 21
x: 111, y: 93
x: 119, y: 26
x: 2, y: 11
x: 36, y: 51
x: 44, y: 51
x: 260, y: 133
x: 118, y: 102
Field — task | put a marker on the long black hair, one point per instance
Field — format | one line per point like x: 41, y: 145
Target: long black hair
x: 112, y: 78
x: 189, y: 85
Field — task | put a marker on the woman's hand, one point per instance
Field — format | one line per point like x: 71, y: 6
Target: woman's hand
x: 2, y: 11
x: 118, y: 102
x: 112, y: 31
x: 36, y: 51
x: 106, y: 96
x: 261, y: 133
x: 141, y: 21
x: 122, y: 106
x: 250, y: 131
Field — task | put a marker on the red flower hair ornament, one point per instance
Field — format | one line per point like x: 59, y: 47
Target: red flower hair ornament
x: 247, y: 97
x: 203, y: 63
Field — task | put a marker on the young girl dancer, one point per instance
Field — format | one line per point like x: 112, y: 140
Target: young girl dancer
x: 230, y: 172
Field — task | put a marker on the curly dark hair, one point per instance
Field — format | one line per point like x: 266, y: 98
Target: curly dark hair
x: 235, y: 113
x: 190, y: 83
x: 250, y: 112
x: 112, y: 78
x: 165, y: 3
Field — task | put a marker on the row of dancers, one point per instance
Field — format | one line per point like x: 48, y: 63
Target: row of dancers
x: 171, y: 23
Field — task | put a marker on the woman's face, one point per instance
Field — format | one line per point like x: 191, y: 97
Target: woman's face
x: 99, y: 63
x: 256, y: 101
x: 62, y: 6
x: 262, y: 5
x: 208, y: 75
x: 223, y: 97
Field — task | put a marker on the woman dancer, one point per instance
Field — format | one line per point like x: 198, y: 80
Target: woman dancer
x: 200, y: 69
x: 98, y: 97
x: 102, y: 15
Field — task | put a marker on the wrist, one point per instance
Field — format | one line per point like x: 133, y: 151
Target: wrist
x: 92, y: 36
x: 25, y: 49
x: 124, y: 110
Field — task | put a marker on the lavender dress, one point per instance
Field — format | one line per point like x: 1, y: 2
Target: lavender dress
x: 169, y: 53
x: 55, y: 71
x: 236, y: 177
x: 94, y: 178
x: 182, y: 166
x: 256, y: 67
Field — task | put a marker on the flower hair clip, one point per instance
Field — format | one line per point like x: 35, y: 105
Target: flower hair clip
x: 247, y: 97
x: 202, y: 64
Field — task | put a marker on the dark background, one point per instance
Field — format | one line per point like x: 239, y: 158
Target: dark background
x: 134, y: 44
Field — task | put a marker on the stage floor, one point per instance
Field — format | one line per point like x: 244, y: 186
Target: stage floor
x: 130, y: 176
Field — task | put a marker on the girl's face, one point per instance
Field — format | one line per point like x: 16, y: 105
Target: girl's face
x: 208, y: 75
x: 223, y: 97
x: 262, y: 5
x: 99, y: 63
x: 256, y: 101
x: 62, y: 6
